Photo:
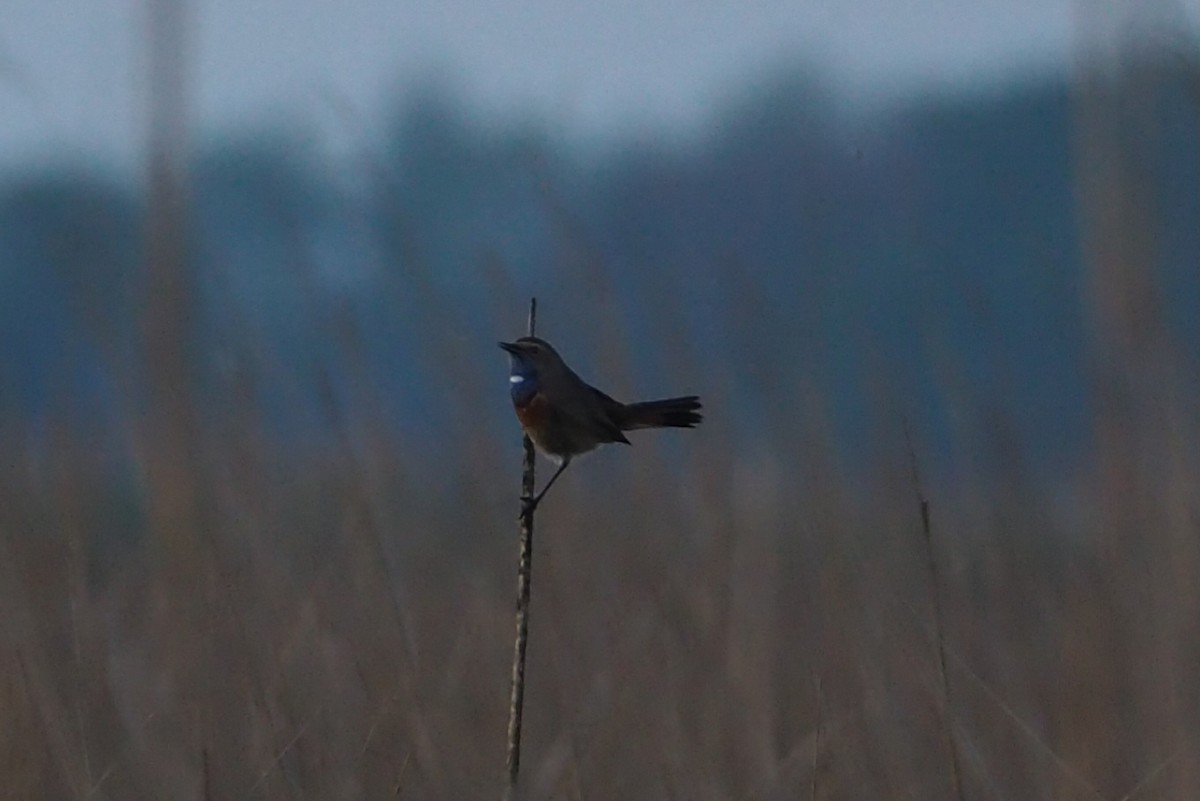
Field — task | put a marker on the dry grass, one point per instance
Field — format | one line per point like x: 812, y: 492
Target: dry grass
x: 339, y: 627
x: 194, y: 608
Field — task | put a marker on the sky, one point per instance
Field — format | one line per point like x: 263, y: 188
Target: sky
x: 73, y: 72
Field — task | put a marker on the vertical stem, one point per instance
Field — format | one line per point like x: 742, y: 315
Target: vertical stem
x: 939, y: 632
x: 816, y: 752
x: 516, y: 702
x: 167, y: 440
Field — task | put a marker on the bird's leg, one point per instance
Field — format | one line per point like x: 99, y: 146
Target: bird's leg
x: 529, y: 504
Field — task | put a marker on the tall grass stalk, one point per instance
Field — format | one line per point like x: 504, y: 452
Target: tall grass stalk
x: 939, y: 628
x: 516, y: 701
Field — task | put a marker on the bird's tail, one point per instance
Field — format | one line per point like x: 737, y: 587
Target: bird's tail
x: 668, y: 413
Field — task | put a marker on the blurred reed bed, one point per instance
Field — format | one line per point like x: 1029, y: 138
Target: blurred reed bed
x: 338, y: 624
x: 198, y: 604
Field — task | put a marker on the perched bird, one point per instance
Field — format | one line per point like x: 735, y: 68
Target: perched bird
x: 565, y: 416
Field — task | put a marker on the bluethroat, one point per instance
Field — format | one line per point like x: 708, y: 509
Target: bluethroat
x: 565, y: 416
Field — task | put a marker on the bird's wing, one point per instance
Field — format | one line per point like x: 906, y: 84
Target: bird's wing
x: 608, y: 414
x: 584, y: 405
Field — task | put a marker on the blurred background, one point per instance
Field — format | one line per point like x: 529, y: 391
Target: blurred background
x: 259, y: 470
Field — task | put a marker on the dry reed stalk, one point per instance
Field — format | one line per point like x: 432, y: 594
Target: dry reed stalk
x: 516, y: 701
x: 939, y: 631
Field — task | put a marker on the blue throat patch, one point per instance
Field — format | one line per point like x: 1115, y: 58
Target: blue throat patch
x: 523, y: 383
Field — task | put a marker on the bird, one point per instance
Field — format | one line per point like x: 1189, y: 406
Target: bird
x: 565, y: 416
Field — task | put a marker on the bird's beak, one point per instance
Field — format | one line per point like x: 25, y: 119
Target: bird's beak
x: 511, y: 347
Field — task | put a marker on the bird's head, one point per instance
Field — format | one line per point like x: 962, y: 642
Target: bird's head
x: 531, y: 358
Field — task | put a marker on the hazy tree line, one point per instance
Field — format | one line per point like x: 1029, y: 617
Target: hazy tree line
x: 941, y: 235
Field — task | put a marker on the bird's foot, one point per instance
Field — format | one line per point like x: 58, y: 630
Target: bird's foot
x: 529, y: 504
